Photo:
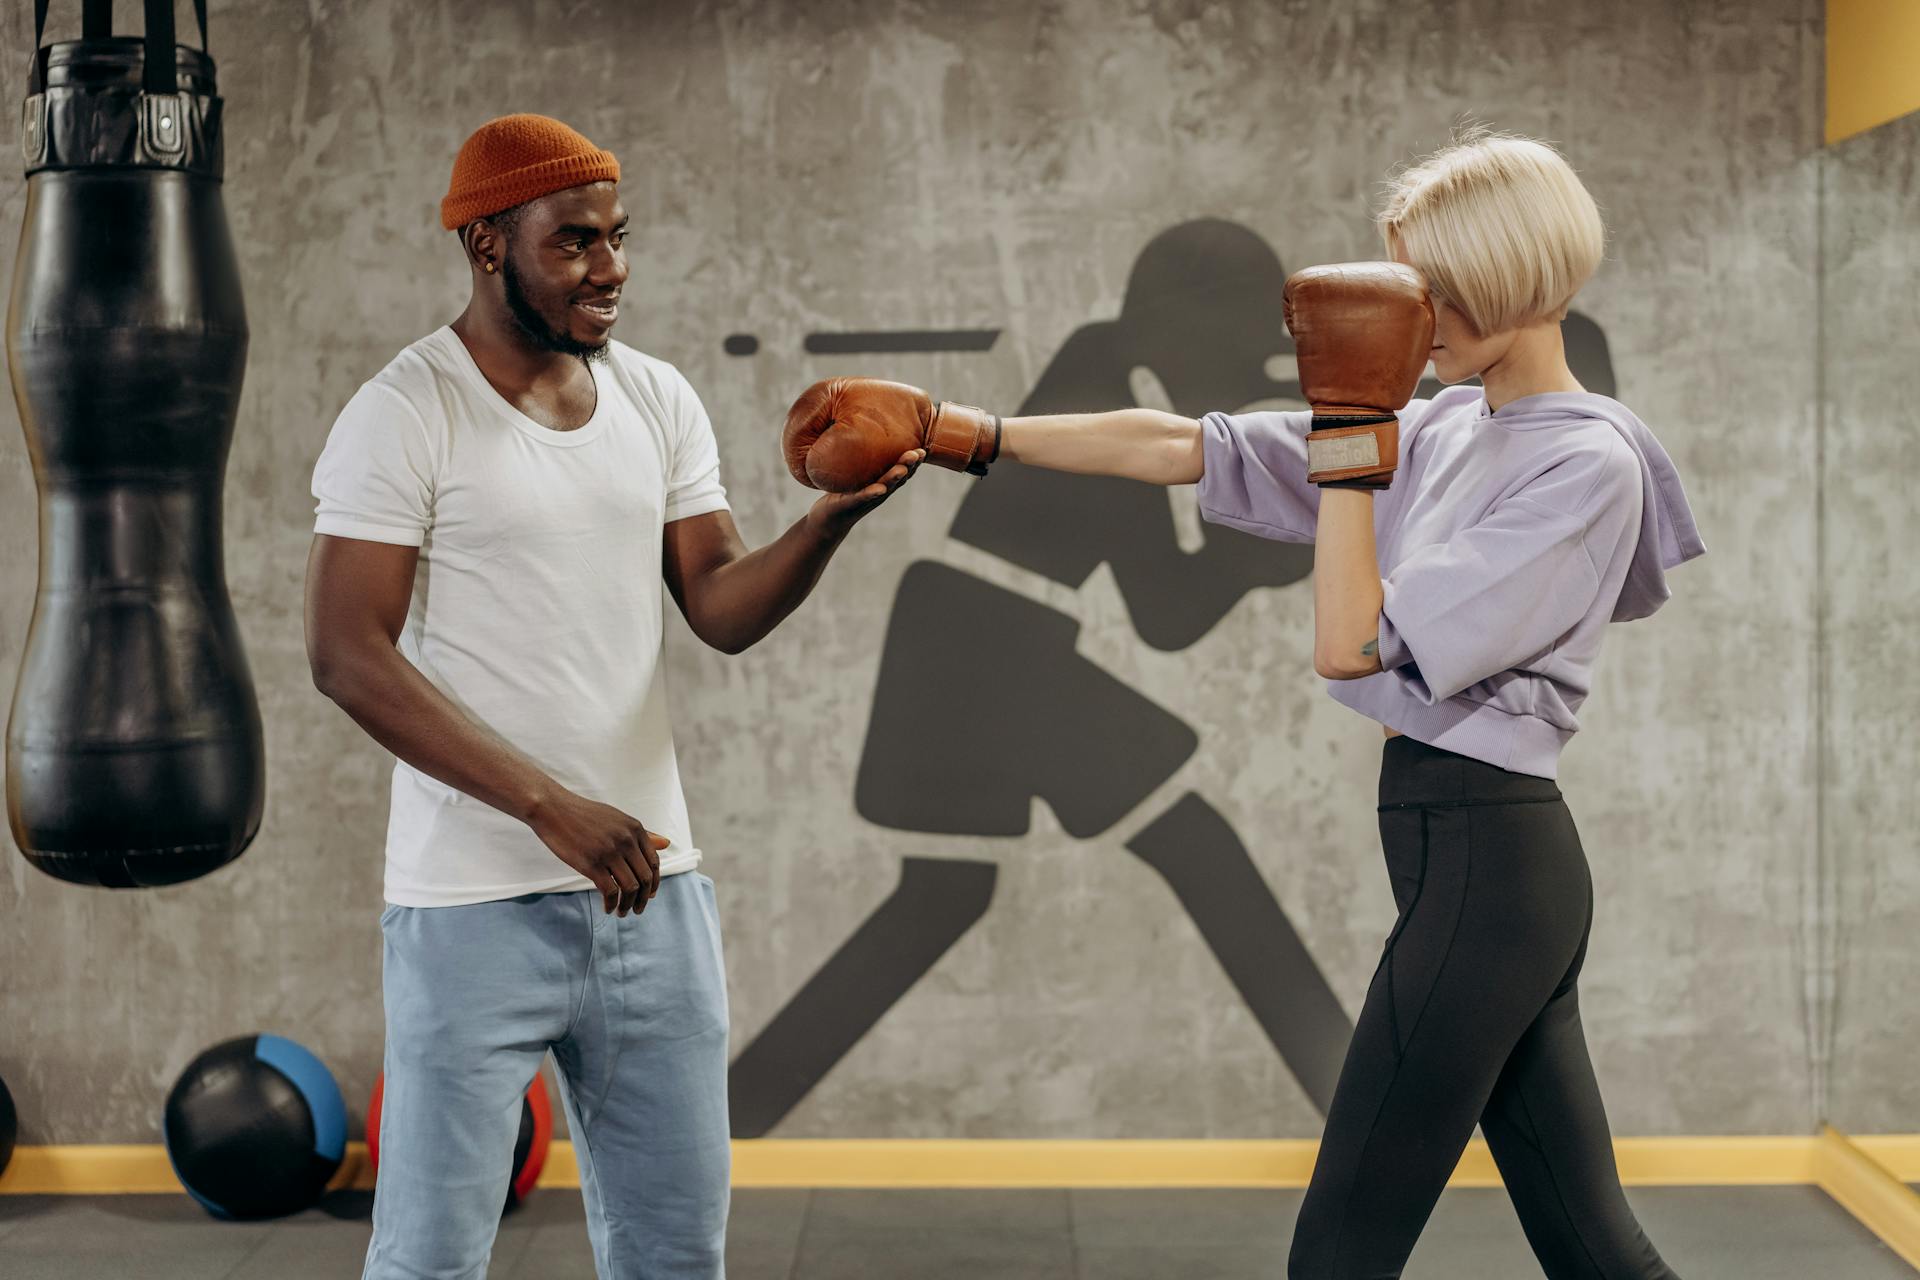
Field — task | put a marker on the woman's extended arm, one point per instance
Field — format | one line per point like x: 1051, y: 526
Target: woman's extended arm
x: 1139, y: 444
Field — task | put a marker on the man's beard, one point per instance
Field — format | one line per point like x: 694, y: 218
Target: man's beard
x: 534, y: 326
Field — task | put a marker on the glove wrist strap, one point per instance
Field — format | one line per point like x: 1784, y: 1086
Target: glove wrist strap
x: 962, y: 437
x: 1339, y: 448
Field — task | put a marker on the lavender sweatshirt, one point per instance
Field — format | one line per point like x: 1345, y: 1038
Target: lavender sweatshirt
x: 1507, y: 543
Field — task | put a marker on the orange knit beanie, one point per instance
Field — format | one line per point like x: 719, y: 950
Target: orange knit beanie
x: 518, y: 158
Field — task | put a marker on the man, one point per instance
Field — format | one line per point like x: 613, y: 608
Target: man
x: 496, y: 512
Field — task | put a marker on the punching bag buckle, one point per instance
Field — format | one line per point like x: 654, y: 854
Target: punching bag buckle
x: 33, y: 129
x: 163, y: 124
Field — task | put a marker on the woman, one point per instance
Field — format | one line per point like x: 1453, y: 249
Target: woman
x: 1462, y: 607
x: 1463, y: 579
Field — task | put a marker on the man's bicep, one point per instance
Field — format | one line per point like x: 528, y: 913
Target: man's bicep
x: 693, y: 547
x: 357, y: 590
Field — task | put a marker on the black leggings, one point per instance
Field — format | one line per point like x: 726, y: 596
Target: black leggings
x: 1472, y: 1015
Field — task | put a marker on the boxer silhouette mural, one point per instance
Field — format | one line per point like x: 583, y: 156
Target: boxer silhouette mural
x: 1201, y: 317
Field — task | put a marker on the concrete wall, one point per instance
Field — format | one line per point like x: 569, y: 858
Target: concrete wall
x: 1870, y: 524
x: 797, y: 168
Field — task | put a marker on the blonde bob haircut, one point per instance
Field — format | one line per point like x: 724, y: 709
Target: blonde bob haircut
x: 1501, y: 225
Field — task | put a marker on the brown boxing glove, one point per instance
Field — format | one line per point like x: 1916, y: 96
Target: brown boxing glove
x: 1362, y: 331
x: 843, y: 434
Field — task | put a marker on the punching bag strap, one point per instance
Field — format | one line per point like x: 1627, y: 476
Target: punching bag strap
x: 160, y: 75
x: 37, y: 74
x: 96, y: 23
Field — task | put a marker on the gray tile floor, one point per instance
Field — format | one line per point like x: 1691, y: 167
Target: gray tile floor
x: 1709, y: 1233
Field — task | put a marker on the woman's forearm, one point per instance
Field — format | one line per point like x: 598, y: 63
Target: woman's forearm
x: 1346, y: 587
x: 1139, y: 444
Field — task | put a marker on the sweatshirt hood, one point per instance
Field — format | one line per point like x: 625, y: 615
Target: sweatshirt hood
x: 1668, y: 535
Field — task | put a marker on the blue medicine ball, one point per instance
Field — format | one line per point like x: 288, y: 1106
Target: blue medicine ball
x: 255, y: 1127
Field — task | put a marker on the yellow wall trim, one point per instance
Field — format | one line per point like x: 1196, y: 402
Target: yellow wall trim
x: 1716, y: 1161
x: 785, y: 1162
x: 1897, y: 1153
x: 1884, y: 1204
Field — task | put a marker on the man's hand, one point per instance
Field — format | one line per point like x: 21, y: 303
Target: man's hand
x: 606, y: 846
x: 836, y: 513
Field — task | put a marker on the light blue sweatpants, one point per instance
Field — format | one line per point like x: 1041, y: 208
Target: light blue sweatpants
x: 635, y: 1013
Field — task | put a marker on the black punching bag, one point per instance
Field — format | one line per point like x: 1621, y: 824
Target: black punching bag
x: 133, y: 751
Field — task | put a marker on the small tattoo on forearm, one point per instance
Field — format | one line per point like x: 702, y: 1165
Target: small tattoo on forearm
x: 1370, y: 649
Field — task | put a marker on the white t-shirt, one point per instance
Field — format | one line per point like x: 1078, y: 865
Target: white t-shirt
x: 538, y: 601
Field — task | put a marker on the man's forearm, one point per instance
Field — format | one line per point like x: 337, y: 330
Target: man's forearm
x: 1139, y: 444
x: 1346, y: 587
x: 740, y: 602
x: 402, y: 710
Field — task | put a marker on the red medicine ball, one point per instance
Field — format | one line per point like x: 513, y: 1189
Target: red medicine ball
x: 529, y: 1149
